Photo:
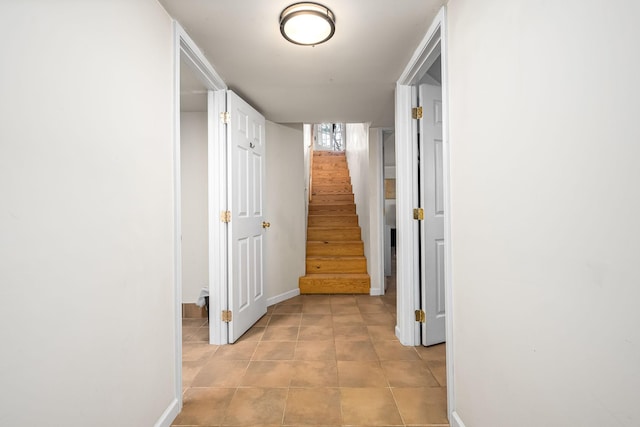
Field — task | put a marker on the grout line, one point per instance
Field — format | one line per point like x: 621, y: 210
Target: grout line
x: 294, y: 362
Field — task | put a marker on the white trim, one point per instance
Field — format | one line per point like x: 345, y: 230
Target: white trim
x: 418, y: 64
x: 283, y: 297
x: 217, y: 196
x: 407, y: 264
x: 455, y: 419
x: 378, y: 291
x: 196, y: 59
x: 406, y: 242
x: 177, y: 225
x: 376, y: 211
x: 448, y: 268
x: 169, y: 414
x: 184, y: 48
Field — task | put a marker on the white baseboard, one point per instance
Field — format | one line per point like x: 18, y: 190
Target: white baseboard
x: 283, y: 297
x: 169, y: 414
x: 455, y: 420
x: 376, y: 292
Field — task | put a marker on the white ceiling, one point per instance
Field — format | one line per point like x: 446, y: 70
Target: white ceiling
x: 350, y: 78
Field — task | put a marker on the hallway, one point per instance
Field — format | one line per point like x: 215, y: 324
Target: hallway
x: 329, y: 360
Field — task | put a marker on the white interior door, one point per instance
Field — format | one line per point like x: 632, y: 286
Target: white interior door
x: 246, y: 174
x: 432, y: 200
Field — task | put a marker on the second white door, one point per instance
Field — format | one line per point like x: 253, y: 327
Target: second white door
x: 432, y: 241
x: 246, y: 175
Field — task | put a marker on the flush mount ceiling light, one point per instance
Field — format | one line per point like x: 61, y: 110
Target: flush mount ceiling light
x: 307, y: 24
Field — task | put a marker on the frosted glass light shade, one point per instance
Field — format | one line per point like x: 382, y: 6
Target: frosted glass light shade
x: 307, y: 24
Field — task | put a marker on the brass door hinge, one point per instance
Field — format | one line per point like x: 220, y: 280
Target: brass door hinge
x: 225, y: 216
x: 420, y: 316
x: 416, y: 113
x: 226, y: 316
x: 225, y: 117
x: 418, y: 213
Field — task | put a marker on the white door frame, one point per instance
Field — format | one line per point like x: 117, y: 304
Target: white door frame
x: 407, y: 328
x: 376, y: 202
x: 185, y: 47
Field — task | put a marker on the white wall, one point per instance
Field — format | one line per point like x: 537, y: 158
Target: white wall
x: 86, y: 175
x: 389, y: 218
x: 390, y: 173
x: 307, y: 142
x: 389, y: 143
x: 195, y: 229
x: 544, y: 106
x: 285, y: 210
x: 357, y: 135
x: 375, y: 261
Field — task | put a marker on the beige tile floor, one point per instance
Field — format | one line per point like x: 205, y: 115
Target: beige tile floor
x: 330, y: 360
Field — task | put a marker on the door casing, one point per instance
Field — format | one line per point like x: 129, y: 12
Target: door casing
x: 185, y: 48
x: 407, y: 329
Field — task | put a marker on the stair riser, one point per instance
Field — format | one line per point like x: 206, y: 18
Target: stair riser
x: 333, y: 197
x: 331, y: 209
x: 341, y: 170
x: 333, y: 221
x: 329, y: 167
x: 328, y: 159
x: 331, y: 193
x: 331, y: 180
x: 322, y: 171
x: 328, y: 153
x: 336, y: 265
x: 309, y: 285
x: 323, y: 158
x: 335, y: 249
x: 329, y: 234
x: 332, y: 186
x: 334, y: 189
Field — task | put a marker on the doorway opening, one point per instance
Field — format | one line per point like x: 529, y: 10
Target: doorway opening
x: 194, y: 204
x: 423, y: 198
x: 194, y: 83
x: 389, y: 207
x: 430, y: 189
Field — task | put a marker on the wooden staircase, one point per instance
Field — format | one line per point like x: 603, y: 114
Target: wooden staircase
x: 335, y: 252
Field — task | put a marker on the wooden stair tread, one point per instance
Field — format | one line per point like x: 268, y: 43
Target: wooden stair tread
x: 332, y: 210
x: 332, y: 213
x: 332, y: 227
x: 339, y: 275
x: 336, y: 257
x: 333, y: 197
x: 334, y: 242
x: 335, y: 284
x: 333, y: 221
x: 335, y: 261
x: 315, y: 202
x: 327, y: 153
x: 336, y: 265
